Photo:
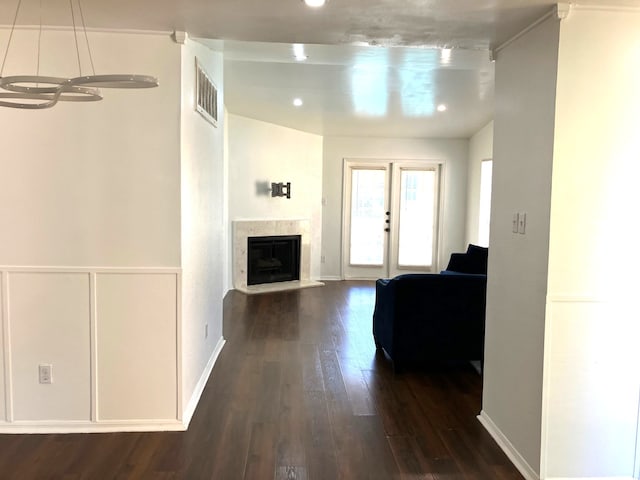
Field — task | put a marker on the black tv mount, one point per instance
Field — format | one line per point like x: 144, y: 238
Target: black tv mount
x: 281, y: 189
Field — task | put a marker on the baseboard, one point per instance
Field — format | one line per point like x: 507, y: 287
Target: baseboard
x: 589, y: 478
x: 31, y: 427
x: 330, y: 278
x: 507, y: 447
x: 190, y: 409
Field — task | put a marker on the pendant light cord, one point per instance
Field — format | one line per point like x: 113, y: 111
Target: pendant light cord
x: 75, y: 36
x: 39, y: 41
x: 13, y: 26
x: 86, y: 37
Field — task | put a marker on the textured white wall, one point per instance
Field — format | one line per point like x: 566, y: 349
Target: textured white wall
x: 261, y: 153
x: 452, y: 152
x: 592, y: 380
x: 203, y: 230
x: 517, y: 274
x: 480, y: 148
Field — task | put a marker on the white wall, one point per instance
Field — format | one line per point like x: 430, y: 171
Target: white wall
x: 203, y: 228
x: 480, y: 148
x: 592, y: 378
x: 100, y: 180
x: 88, y: 190
x: 261, y: 153
x: 517, y: 272
x: 454, y: 154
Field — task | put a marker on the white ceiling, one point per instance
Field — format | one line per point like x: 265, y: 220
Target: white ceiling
x: 374, y: 67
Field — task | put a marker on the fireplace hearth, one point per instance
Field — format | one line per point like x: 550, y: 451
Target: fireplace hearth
x: 272, y: 259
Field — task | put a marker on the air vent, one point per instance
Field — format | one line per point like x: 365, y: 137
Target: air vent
x: 206, y: 96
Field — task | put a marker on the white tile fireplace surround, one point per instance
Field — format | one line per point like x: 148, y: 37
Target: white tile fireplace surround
x: 243, y: 229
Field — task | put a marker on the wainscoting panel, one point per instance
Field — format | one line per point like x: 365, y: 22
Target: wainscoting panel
x: 136, y: 321
x: 4, y: 348
x: 110, y: 335
x: 49, y: 324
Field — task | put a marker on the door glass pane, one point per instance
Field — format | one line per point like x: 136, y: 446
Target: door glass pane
x: 416, y: 221
x: 367, y: 217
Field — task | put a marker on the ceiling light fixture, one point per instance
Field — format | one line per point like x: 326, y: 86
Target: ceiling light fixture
x: 38, y: 91
x: 297, y: 102
x: 445, y: 56
x: 441, y: 108
x: 298, y: 52
x: 314, y: 3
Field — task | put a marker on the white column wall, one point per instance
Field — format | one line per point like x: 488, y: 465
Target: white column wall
x: 452, y: 152
x: 592, y: 379
x: 203, y: 228
x: 517, y: 271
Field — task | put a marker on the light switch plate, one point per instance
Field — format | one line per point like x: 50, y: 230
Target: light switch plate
x: 522, y: 222
x: 514, y: 223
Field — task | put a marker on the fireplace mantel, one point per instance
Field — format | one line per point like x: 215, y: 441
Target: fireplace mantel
x: 243, y: 229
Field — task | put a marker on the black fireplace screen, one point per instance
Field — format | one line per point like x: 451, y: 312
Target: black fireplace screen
x: 273, y: 259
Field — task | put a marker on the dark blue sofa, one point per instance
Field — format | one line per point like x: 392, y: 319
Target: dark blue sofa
x: 426, y: 319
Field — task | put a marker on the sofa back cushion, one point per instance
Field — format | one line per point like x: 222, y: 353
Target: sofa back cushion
x: 473, y: 261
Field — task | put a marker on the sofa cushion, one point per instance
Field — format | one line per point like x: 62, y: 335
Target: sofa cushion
x: 473, y: 261
x: 478, y: 257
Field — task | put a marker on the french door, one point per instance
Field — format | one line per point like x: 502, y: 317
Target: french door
x: 391, y: 216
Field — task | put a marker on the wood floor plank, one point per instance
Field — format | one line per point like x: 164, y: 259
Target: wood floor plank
x: 261, y: 462
x: 298, y: 393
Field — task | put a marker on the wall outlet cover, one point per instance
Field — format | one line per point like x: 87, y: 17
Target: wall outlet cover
x: 514, y: 223
x: 45, y: 373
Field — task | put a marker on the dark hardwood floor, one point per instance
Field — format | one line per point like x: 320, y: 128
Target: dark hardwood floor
x: 298, y: 392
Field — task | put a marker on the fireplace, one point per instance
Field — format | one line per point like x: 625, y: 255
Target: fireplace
x: 245, y: 229
x: 273, y: 259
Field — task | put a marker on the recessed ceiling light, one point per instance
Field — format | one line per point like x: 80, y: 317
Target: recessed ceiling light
x: 314, y: 3
x: 298, y: 52
x: 297, y: 102
x: 442, y: 107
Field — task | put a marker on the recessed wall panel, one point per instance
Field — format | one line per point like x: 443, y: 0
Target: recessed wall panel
x: 136, y: 351
x: 3, y: 416
x: 49, y: 321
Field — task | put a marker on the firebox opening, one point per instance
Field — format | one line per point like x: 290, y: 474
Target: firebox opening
x: 273, y: 259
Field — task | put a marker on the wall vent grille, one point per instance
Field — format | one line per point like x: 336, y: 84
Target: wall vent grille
x: 206, y: 96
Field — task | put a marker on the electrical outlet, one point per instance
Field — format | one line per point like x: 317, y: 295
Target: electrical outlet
x: 45, y: 374
x: 206, y: 330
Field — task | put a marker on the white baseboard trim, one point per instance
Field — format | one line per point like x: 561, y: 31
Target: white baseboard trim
x: 30, y: 427
x: 507, y: 447
x: 190, y: 409
x: 330, y: 278
x: 589, y: 478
